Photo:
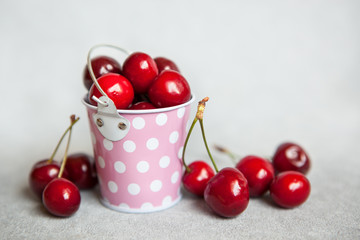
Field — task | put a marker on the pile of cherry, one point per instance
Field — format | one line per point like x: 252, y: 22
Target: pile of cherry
x: 227, y: 191
x: 141, y: 83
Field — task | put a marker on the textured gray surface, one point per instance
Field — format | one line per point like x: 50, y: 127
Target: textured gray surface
x: 274, y: 71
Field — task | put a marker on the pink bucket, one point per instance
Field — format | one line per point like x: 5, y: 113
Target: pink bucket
x: 142, y: 171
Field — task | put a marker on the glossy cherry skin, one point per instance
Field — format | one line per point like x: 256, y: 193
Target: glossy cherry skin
x: 80, y: 169
x: 227, y: 193
x: 118, y: 89
x: 259, y: 173
x: 290, y: 189
x: 165, y: 64
x: 42, y: 173
x: 141, y: 106
x: 197, y: 178
x: 101, y: 65
x: 170, y: 88
x: 141, y: 71
x: 291, y: 156
x: 61, y: 197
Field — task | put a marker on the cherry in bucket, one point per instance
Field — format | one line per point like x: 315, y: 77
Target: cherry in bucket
x: 170, y: 88
x: 142, y: 106
x: 116, y: 87
x: 141, y: 71
x: 101, y: 65
x: 61, y: 197
x: 163, y: 63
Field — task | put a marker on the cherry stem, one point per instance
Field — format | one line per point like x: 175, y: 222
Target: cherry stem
x: 187, y: 169
x: 199, y: 116
x: 92, y: 75
x: 73, y: 121
x: 226, y: 151
x: 59, y: 143
x: 206, y: 145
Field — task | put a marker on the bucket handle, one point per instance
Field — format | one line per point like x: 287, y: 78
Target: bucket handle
x: 108, y: 121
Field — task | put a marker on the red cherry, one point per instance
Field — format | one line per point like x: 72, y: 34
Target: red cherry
x: 290, y: 189
x: 197, y: 178
x: 258, y: 172
x: 170, y: 88
x: 142, y: 106
x: 80, y: 169
x: 141, y: 70
x: 290, y: 156
x: 118, y: 89
x: 61, y: 197
x: 165, y: 64
x: 100, y: 65
x: 42, y: 173
x: 227, y: 193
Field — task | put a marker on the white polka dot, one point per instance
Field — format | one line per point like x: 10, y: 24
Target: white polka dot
x: 142, y: 166
x: 108, y: 145
x: 181, y: 112
x: 129, y: 146
x: 174, y: 136
x: 166, y: 201
x: 164, y: 162
x: 105, y: 199
x: 133, y: 189
x: 161, y: 119
x: 175, y: 177
x: 101, y: 162
x: 156, y: 185
x: 124, y: 205
x: 112, y: 187
x: 180, y: 152
x: 146, y: 206
x: 138, y: 123
x: 93, y: 138
x: 152, y: 144
x: 120, y: 167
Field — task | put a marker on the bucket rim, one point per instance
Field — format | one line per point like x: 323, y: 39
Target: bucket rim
x: 145, y: 111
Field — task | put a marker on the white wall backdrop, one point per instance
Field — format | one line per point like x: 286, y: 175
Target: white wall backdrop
x: 274, y: 71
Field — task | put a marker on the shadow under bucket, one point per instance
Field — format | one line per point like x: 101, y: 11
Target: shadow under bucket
x: 141, y: 172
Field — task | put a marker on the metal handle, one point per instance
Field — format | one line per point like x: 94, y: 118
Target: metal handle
x: 108, y: 121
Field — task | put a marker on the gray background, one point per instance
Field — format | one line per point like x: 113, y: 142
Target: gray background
x: 274, y: 71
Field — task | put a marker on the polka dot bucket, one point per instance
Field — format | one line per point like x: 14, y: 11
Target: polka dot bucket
x: 142, y: 171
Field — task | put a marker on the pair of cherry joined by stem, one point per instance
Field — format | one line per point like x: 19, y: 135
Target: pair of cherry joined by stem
x: 61, y: 197
x: 227, y: 191
x: 51, y: 182
x: 46, y: 170
x: 198, y: 173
